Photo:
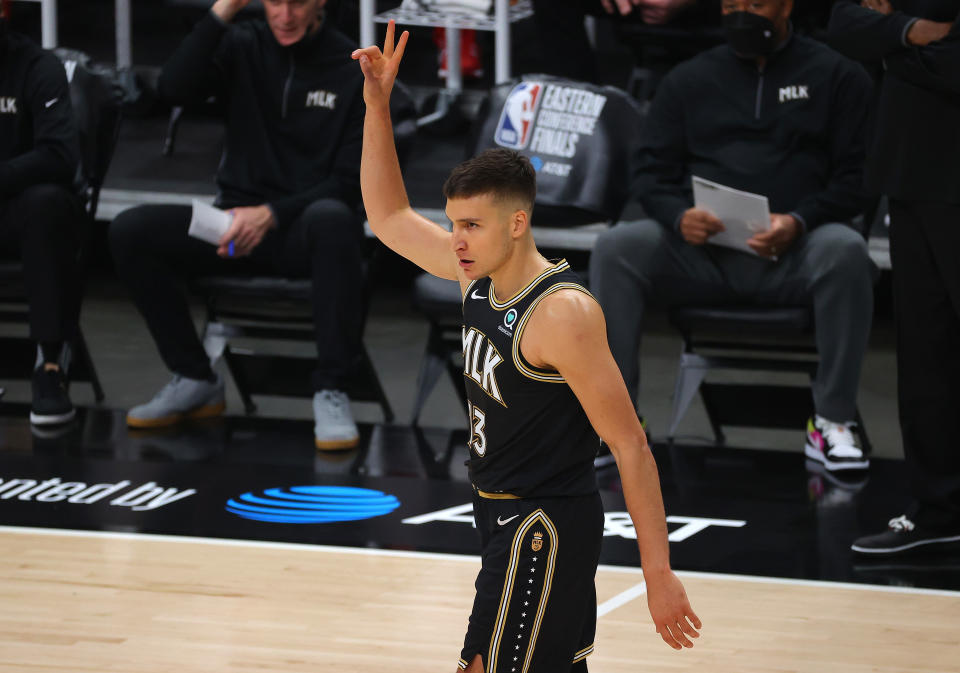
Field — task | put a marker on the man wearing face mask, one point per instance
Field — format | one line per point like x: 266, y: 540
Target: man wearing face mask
x: 41, y: 215
x: 913, y: 160
x: 289, y: 175
x: 772, y: 113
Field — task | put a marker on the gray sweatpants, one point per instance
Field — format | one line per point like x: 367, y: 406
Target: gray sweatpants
x: 637, y: 262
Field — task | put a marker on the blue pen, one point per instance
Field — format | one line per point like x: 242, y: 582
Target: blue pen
x: 230, y: 249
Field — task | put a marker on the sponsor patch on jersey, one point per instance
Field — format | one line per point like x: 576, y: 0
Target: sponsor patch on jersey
x: 516, y: 119
x: 509, y: 320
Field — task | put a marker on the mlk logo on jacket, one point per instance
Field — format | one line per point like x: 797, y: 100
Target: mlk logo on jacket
x: 795, y: 92
x: 480, y: 363
x: 321, y: 98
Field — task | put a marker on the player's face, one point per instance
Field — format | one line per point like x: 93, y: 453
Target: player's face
x: 290, y: 20
x: 482, y: 238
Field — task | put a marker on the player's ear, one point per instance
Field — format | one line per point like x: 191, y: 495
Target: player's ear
x: 520, y: 222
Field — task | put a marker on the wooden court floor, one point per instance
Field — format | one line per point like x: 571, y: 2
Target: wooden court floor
x: 83, y: 602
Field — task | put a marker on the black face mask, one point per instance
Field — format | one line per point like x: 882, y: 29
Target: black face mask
x: 750, y: 35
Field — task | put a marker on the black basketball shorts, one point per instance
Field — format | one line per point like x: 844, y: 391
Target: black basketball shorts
x: 535, y: 609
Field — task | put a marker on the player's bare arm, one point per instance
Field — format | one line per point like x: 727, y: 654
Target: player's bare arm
x: 567, y: 332
x: 384, y: 197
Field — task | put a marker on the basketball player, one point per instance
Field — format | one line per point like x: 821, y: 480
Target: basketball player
x: 539, y: 374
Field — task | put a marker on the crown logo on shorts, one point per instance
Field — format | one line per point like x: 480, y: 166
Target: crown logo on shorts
x: 537, y: 543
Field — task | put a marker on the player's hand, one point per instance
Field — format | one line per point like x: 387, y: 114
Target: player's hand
x: 783, y: 231
x: 697, y: 225
x: 227, y: 9
x: 924, y: 32
x: 380, y: 69
x: 659, y: 12
x: 881, y: 6
x: 621, y: 7
x: 674, y: 618
x: 249, y: 226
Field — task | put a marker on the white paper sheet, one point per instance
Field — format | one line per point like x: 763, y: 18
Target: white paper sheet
x: 743, y: 214
x: 208, y: 223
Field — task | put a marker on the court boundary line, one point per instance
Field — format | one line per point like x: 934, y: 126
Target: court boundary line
x: 472, y: 558
x: 622, y: 598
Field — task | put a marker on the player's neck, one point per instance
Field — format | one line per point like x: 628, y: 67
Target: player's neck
x: 518, y: 272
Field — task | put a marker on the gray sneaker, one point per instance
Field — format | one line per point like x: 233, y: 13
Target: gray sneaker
x: 180, y: 399
x: 334, y: 427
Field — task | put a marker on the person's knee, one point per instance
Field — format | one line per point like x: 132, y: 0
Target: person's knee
x: 628, y: 241
x: 842, y: 252
x: 128, y: 232
x: 332, y: 223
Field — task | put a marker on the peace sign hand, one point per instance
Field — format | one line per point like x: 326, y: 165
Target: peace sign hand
x: 380, y: 69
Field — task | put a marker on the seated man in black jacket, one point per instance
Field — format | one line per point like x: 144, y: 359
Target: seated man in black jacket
x: 290, y: 176
x: 41, y: 215
x: 772, y: 113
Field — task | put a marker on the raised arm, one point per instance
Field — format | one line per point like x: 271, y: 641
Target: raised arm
x: 567, y: 332
x: 381, y: 183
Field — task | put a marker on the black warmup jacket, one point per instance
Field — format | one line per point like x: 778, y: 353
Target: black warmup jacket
x: 794, y: 131
x: 294, y: 115
x: 38, y: 132
x: 915, y: 152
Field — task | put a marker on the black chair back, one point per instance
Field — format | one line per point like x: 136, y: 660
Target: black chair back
x: 96, y: 98
x: 579, y: 137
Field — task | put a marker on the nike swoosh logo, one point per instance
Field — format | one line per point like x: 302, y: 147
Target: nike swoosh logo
x: 50, y: 102
x: 504, y: 522
x: 474, y: 295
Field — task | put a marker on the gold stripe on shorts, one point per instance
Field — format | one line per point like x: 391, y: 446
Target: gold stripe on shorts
x: 583, y: 654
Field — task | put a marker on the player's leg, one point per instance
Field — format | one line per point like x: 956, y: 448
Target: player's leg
x: 567, y: 624
x: 475, y: 666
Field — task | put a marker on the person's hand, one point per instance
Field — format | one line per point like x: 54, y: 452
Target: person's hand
x: 250, y: 224
x: 380, y: 69
x: 696, y: 226
x: 227, y: 9
x: 778, y: 238
x: 924, y: 31
x: 659, y: 12
x: 621, y: 7
x: 882, y: 6
x: 675, y: 620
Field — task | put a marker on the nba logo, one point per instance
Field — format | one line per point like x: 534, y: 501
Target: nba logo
x: 516, y: 119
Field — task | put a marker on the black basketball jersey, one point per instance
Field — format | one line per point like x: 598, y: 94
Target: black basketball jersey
x: 530, y: 436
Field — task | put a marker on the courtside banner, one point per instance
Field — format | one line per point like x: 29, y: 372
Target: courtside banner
x: 217, y: 497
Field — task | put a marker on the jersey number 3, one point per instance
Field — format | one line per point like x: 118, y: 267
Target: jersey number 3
x: 478, y: 442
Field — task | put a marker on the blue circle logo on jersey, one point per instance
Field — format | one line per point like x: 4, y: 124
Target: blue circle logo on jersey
x: 313, y: 504
x: 510, y: 318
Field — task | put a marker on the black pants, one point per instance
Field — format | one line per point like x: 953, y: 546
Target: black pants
x: 42, y: 226
x: 154, y: 255
x: 925, y: 252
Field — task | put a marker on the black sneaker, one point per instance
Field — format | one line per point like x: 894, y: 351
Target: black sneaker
x: 903, y: 535
x: 51, y: 404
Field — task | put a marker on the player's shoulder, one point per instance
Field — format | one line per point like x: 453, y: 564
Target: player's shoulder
x: 567, y: 305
